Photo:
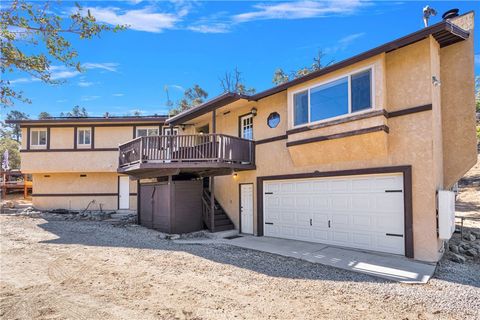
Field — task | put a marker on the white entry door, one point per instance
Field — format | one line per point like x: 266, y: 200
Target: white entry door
x: 365, y: 212
x: 124, y: 192
x: 246, y: 208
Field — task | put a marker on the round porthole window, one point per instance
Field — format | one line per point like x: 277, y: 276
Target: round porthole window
x: 273, y: 120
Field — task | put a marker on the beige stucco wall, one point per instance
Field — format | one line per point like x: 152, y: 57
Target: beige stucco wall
x: 112, y: 137
x: 458, y: 105
x: 94, y: 184
x: 61, y: 138
x: 403, y: 79
x: 69, y: 161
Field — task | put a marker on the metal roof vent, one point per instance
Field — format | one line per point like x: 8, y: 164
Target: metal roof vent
x: 452, y: 13
x: 427, y: 12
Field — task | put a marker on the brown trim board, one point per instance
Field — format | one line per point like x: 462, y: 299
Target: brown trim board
x: 74, y: 195
x: 272, y: 139
x: 68, y: 150
x: 339, y: 135
x: 100, y: 125
x: 403, y: 112
x: 28, y: 138
x: 407, y: 190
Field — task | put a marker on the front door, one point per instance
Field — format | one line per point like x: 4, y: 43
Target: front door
x: 246, y: 208
x: 123, y: 192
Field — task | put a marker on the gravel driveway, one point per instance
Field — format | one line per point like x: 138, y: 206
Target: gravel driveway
x: 54, y: 269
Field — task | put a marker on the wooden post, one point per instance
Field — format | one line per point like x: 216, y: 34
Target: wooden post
x: 25, y: 188
x: 212, y: 180
x: 212, y: 204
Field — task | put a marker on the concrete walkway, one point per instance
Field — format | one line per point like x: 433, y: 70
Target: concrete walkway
x: 387, y: 266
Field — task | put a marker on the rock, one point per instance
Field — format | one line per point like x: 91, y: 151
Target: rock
x: 469, y: 237
x: 471, y: 252
x: 456, y: 258
x: 9, y: 204
x: 464, y: 245
x: 461, y: 250
x: 453, y: 248
x: 172, y: 237
x: 475, y: 233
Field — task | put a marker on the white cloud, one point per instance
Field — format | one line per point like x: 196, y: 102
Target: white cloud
x: 23, y: 80
x: 85, y: 84
x: 212, y: 28
x: 299, y: 10
x: 89, y: 98
x: 344, y: 42
x: 109, y: 66
x: 140, y: 19
x: 61, y: 101
x: 477, y: 59
x: 176, y: 86
x: 118, y: 94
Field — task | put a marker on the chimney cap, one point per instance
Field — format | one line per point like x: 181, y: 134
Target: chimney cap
x: 452, y: 13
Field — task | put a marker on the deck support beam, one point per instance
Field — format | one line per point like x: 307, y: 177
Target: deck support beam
x: 212, y: 180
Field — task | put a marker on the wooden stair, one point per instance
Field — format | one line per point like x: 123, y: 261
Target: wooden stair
x: 222, y: 221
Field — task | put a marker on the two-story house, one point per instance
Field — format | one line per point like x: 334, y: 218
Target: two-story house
x: 350, y: 155
x: 73, y: 161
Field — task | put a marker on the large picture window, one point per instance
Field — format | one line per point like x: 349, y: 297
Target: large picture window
x: 349, y: 94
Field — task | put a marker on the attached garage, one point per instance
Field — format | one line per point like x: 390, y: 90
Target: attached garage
x: 359, y: 211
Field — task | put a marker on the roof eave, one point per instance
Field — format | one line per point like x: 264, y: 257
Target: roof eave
x: 215, y: 103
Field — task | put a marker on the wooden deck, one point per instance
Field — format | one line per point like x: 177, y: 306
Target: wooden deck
x: 201, y: 154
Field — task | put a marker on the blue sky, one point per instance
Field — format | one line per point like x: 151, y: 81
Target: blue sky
x: 181, y: 43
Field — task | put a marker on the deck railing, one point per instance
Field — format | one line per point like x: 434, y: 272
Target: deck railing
x: 187, y: 148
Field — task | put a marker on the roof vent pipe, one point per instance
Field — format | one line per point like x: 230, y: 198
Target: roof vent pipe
x: 427, y: 12
x: 452, y: 13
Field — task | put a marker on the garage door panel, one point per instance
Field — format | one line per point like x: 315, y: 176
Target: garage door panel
x: 387, y: 183
x: 340, y: 185
x: 363, y: 221
x: 361, y: 203
x: 302, y: 202
x: 360, y: 211
x: 389, y: 202
x: 389, y: 244
x: 339, y: 202
x: 362, y: 239
x: 287, y: 187
x: 319, y: 186
x: 319, y: 235
x: 287, y: 201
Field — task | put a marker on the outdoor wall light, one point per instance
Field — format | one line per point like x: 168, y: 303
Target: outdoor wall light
x: 235, y: 175
x: 436, y: 82
x: 253, y: 111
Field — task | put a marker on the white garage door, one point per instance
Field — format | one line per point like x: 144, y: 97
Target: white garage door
x: 364, y: 212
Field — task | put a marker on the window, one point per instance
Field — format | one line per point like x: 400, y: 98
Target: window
x: 84, y: 137
x: 273, y: 119
x: 246, y: 127
x: 143, y: 132
x: 346, y: 95
x: 38, y: 138
x: 167, y: 131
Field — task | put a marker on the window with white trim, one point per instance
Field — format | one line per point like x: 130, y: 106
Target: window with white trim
x: 349, y: 94
x: 147, y: 131
x: 84, y: 137
x: 246, y: 127
x: 38, y: 138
